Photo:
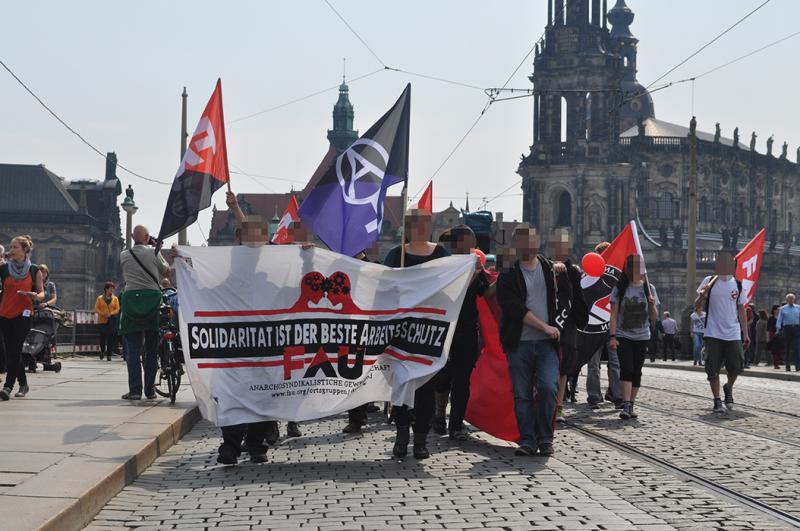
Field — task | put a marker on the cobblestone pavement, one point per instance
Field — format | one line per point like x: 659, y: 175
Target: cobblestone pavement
x: 328, y: 480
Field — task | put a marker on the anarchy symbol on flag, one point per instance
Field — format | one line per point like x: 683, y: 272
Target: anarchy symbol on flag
x: 361, y: 168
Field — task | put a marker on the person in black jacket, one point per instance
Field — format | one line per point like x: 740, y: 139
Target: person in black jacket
x: 530, y: 332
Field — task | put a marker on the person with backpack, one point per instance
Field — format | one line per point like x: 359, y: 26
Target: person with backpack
x: 22, y: 286
x: 634, y: 305
x: 726, y: 332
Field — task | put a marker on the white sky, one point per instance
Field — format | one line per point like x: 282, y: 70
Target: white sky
x: 115, y: 71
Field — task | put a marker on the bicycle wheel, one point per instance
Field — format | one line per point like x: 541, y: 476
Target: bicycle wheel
x: 174, y: 380
x: 162, y: 385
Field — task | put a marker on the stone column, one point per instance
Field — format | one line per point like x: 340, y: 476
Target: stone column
x: 580, y: 206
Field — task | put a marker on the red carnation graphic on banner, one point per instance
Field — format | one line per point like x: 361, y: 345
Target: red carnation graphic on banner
x: 330, y: 293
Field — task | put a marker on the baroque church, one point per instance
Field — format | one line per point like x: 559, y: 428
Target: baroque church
x: 600, y: 158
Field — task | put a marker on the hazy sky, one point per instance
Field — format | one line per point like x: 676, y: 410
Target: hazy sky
x: 114, y: 71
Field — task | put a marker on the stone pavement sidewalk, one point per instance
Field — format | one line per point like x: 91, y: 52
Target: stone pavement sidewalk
x: 72, y: 443
x: 759, y: 371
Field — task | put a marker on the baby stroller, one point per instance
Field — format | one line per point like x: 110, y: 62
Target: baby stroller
x: 38, y: 342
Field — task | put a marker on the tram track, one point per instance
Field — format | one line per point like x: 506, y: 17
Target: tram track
x: 729, y: 494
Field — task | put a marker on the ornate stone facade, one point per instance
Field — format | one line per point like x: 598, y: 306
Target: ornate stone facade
x: 74, y: 225
x: 609, y: 160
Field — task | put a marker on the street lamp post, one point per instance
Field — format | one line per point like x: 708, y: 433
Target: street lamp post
x: 130, y: 209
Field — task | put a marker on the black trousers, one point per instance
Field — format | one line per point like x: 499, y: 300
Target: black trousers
x: 631, y: 360
x: 13, y: 333
x: 253, y: 434
x: 455, y: 376
x: 669, y: 345
x: 422, y: 414
x: 108, y: 343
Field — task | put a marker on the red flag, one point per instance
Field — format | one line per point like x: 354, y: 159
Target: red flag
x: 282, y: 235
x: 426, y: 199
x: 203, y: 170
x: 748, y: 264
x: 491, y: 402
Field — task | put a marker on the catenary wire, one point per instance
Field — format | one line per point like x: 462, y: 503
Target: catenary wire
x: 71, y: 130
x: 709, y: 43
x: 354, y: 32
x: 434, y: 78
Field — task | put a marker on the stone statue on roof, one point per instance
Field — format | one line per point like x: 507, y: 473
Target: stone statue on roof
x: 129, y: 192
x: 726, y: 237
x: 770, y: 141
x: 717, y: 134
x: 736, y: 138
x: 797, y: 155
x: 753, y: 141
x: 785, y: 151
x: 640, y: 126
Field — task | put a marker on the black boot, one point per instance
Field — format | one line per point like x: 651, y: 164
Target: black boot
x: 420, y: 448
x: 400, y: 449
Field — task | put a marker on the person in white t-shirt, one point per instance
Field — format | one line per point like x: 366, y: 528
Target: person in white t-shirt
x: 722, y: 298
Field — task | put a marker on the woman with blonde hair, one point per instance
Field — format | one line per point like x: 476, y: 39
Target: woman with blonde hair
x: 22, y: 286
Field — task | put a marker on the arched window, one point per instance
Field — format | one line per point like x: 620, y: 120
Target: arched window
x: 564, y: 117
x: 665, y: 206
x: 563, y: 210
x: 703, y: 209
x: 724, y: 212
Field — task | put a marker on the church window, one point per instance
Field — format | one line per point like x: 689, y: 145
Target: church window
x: 563, y: 119
x: 564, y: 210
x: 703, y: 210
x: 665, y: 206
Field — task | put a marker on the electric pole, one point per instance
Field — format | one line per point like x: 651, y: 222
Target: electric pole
x: 691, y: 247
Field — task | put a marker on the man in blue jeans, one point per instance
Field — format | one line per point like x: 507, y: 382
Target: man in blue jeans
x: 789, y: 325
x: 529, y: 334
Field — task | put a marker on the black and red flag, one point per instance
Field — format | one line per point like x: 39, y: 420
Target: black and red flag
x: 203, y: 170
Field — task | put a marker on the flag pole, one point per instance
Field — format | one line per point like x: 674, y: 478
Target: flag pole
x: 403, y: 226
x: 184, y: 135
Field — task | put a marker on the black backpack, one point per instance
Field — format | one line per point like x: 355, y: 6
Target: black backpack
x: 5, y: 273
x: 708, y: 293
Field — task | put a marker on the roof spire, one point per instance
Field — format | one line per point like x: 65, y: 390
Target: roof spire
x: 467, y: 205
x: 621, y: 18
x: 344, y: 69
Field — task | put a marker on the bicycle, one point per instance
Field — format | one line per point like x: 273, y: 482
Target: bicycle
x: 170, y: 370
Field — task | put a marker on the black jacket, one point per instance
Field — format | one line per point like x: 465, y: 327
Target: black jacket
x: 565, y: 303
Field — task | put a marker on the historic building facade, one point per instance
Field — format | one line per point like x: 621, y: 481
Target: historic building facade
x: 75, y: 226
x: 601, y: 158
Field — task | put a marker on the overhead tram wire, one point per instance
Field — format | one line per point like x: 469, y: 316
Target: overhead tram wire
x: 73, y: 131
x: 354, y: 32
x: 709, y: 43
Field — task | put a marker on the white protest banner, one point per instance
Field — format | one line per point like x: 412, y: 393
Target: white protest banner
x: 279, y: 332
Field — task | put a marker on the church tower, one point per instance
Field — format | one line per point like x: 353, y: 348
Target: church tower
x: 342, y: 135
x: 576, y: 79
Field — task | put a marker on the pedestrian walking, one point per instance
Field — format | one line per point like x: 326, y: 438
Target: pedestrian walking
x: 418, y: 250
x: 761, y: 337
x: 698, y: 320
x: 775, y: 341
x: 141, y: 268
x: 527, y: 296
x: 452, y: 382
x: 670, y: 328
x: 726, y: 331
x: 788, y: 326
x: 633, y: 305
x: 2, y: 343
x: 106, y: 307
x: 22, y: 286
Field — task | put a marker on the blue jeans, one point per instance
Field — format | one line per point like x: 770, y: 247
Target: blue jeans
x: 791, y: 335
x: 534, y: 366
x: 141, y: 345
x: 593, y: 377
x: 697, y: 347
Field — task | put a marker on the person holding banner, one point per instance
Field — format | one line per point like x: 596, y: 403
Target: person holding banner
x: 726, y: 331
x: 530, y: 336
x: 633, y: 306
x: 418, y: 250
x: 452, y: 382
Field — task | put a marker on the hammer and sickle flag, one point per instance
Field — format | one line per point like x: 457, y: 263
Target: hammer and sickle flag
x: 203, y: 170
x: 345, y: 206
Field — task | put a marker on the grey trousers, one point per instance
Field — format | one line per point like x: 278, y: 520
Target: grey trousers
x: 593, y: 377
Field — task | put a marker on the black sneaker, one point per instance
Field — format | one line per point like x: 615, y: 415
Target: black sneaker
x: 546, y: 449
x: 718, y: 407
x: 625, y: 414
x: 259, y: 454
x: 619, y: 404
x: 459, y: 434
x: 352, y: 427
x: 632, y: 412
x: 525, y: 451
x: 293, y: 430
x: 5, y: 394
x: 131, y: 396
x: 439, y: 426
x: 272, y: 434
x: 594, y: 405
x: 728, y: 396
x: 227, y: 455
